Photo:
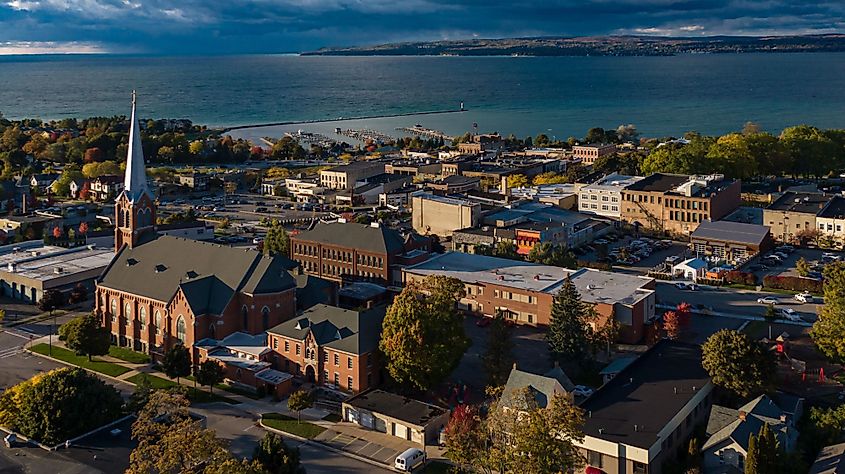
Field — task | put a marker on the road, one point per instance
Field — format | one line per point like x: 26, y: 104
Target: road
x: 729, y: 300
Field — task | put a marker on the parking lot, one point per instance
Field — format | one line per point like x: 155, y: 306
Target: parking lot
x: 637, y: 254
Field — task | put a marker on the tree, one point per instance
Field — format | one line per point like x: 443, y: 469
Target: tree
x: 57, y: 232
x: 498, y: 358
x: 517, y: 181
x: 549, y: 177
x: 209, y: 373
x: 83, y: 228
x: 51, y: 300
x: 422, y: 334
x: 140, y: 396
x: 595, y: 135
x: 547, y: 253
x: 731, y: 155
x: 674, y: 322
x: 737, y: 363
x: 59, y: 405
x: 298, y: 401
x: 464, y: 436
x: 85, y: 336
x: 506, y: 249
x: 765, y: 455
x: 802, y: 267
x: 568, y: 335
x: 277, y: 241
x: 61, y: 186
x: 276, y: 457
x: 771, y: 313
x: 828, y: 331
x: 176, y: 362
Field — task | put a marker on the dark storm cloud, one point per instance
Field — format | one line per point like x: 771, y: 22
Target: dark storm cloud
x: 226, y: 26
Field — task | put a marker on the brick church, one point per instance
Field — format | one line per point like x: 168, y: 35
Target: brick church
x: 161, y: 290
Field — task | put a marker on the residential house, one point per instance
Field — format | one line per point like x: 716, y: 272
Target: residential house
x: 106, y: 187
x: 43, y: 181
x: 543, y: 387
x: 831, y: 460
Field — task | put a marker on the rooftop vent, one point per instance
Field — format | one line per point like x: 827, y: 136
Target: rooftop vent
x: 191, y: 274
x: 130, y: 262
x: 58, y: 270
x: 160, y: 268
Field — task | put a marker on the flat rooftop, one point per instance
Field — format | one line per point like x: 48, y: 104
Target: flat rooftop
x: 42, y: 262
x: 455, y: 201
x: 807, y: 203
x: 659, y: 182
x: 614, y: 181
x: 643, y: 398
x: 727, y: 231
x: 395, y: 406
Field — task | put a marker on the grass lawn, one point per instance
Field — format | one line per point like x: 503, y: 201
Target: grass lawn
x: 290, y: 425
x: 65, y: 355
x: 195, y: 395
x: 127, y: 355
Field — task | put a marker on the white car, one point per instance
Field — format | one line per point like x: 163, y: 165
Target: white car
x: 582, y: 391
x: 768, y: 300
x: 804, y: 297
x: 790, y: 314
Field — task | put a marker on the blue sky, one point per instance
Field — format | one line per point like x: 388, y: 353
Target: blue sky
x: 261, y: 26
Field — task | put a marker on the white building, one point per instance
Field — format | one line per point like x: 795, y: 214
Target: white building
x: 604, y: 197
x: 831, y: 219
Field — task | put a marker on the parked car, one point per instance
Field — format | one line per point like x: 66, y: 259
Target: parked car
x: 790, y: 314
x: 768, y: 300
x: 409, y: 459
x: 804, y: 297
x: 483, y: 322
x: 582, y: 391
x: 785, y: 248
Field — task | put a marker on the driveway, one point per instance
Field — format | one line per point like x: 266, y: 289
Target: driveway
x: 379, y: 447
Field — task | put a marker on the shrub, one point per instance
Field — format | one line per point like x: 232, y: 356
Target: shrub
x: 793, y: 283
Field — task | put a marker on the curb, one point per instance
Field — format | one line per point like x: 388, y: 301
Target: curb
x: 738, y: 316
x: 322, y: 446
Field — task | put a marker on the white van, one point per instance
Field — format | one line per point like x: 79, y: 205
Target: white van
x: 409, y: 459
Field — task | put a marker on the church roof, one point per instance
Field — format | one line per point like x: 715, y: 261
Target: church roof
x: 135, y: 179
x: 355, y: 332
x: 209, y: 274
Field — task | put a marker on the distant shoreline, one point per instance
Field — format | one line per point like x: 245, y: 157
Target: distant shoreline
x: 340, y: 119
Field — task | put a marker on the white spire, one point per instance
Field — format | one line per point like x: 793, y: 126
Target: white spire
x: 135, y: 180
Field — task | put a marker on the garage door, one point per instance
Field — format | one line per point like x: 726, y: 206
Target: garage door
x: 400, y: 431
x: 367, y: 420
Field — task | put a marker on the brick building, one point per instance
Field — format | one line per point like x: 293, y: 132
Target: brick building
x: 162, y: 290
x: 341, y: 251
x: 330, y: 346
x: 590, y: 153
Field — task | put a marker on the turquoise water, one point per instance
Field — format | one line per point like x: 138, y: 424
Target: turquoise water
x: 558, y: 96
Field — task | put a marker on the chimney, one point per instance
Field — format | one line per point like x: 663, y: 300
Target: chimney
x: 505, y: 191
x: 783, y: 418
x: 514, y: 366
x: 742, y: 415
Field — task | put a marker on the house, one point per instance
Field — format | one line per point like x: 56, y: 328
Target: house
x: 604, y: 196
x: 76, y: 187
x: 194, y: 181
x: 690, y: 269
x: 442, y: 215
x: 677, y: 204
x: 831, y: 460
x: 43, y: 181
x: 341, y: 251
x: 793, y: 214
x: 544, y: 387
x: 244, y: 358
x: 638, y: 420
x: 524, y: 291
x: 330, y: 346
x: 735, y: 242
x: 728, y: 431
x: 588, y: 154
x: 396, y: 415
x: 106, y: 187
x: 159, y: 291
x: 345, y: 176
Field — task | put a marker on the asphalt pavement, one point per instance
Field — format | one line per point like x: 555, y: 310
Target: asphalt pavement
x: 734, y: 301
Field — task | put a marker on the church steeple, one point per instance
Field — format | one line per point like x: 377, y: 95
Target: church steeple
x: 135, y: 210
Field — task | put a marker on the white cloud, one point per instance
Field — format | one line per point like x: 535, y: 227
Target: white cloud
x: 49, y: 47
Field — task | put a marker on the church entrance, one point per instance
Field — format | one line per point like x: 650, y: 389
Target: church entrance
x: 310, y: 376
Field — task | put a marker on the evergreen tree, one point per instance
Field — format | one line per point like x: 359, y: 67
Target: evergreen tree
x: 764, y: 453
x: 498, y: 358
x: 752, y: 462
x: 568, y: 335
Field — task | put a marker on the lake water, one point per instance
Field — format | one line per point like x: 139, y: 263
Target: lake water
x: 560, y: 96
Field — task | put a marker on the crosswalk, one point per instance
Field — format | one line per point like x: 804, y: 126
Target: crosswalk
x: 21, y: 333
x: 11, y: 352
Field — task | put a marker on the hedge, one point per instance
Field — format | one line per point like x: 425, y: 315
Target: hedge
x: 793, y: 283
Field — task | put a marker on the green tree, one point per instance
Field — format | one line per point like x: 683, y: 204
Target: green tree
x: 59, y: 405
x: 737, y: 363
x: 140, y: 395
x: 209, y: 373
x: 277, y: 241
x: 802, y: 267
x: 811, y: 152
x: 547, y: 253
x: 287, y: 148
x: 84, y: 335
x: 595, y: 135
x: 765, y: 455
x: 498, y: 357
x: 276, y: 457
x: 62, y: 185
x: 568, y: 335
x: 771, y: 313
x: 423, y: 334
x: 828, y: 331
x: 506, y: 249
x: 176, y: 362
x: 732, y: 155
x: 298, y: 401
x: 51, y: 300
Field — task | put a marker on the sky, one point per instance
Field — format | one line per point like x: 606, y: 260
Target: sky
x: 279, y: 26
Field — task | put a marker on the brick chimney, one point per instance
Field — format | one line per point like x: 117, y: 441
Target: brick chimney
x: 742, y: 415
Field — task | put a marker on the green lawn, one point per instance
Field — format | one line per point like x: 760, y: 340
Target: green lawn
x: 195, y: 395
x: 96, y: 365
x: 127, y: 355
x: 290, y: 425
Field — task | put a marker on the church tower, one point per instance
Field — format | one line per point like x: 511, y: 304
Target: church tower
x: 135, y: 209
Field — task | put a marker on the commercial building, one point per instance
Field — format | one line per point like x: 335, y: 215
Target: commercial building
x: 369, y: 189
x: 28, y: 269
x: 564, y: 196
x: 794, y: 214
x: 588, y: 154
x: 731, y: 241
x: 331, y: 346
x: 482, y: 144
x: 442, y: 215
x: 345, y: 176
x: 831, y: 219
x: 676, y: 204
x: 397, y: 415
x: 534, y: 222
x: 305, y: 188
x: 604, y: 197
x: 194, y: 181
x: 524, y: 291
x: 160, y: 290
x: 639, y: 419
x: 245, y: 359
x: 341, y: 251
x: 455, y: 184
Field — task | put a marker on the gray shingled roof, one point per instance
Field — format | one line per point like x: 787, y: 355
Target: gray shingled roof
x: 541, y: 385
x: 372, y: 239
x: 355, y: 332
x: 727, y: 231
x: 208, y: 273
x: 725, y: 423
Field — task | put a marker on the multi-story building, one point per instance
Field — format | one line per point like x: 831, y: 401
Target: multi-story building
x: 194, y: 181
x: 588, y: 154
x: 341, y: 251
x: 831, y: 219
x: 330, y: 346
x: 794, y: 214
x: 482, y: 144
x: 524, y: 291
x: 645, y: 415
x: 732, y: 241
x: 442, y: 215
x: 345, y: 176
x: 604, y: 197
x: 676, y: 204
x: 160, y: 290
x: 305, y: 188
x: 455, y: 184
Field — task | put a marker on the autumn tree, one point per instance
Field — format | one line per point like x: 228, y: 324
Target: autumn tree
x: 517, y: 181
x: 276, y: 457
x: 674, y: 322
x: 209, y: 373
x: 802, y: 267
x: 423, y: 335
x: 568, y: 335
x: 464, y: 436
x: 176, y: 362
x: 84, y: 335
x: 298, y: 401
x: 828, y: 331
x: 498, y: 357
x: 737, y: 363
